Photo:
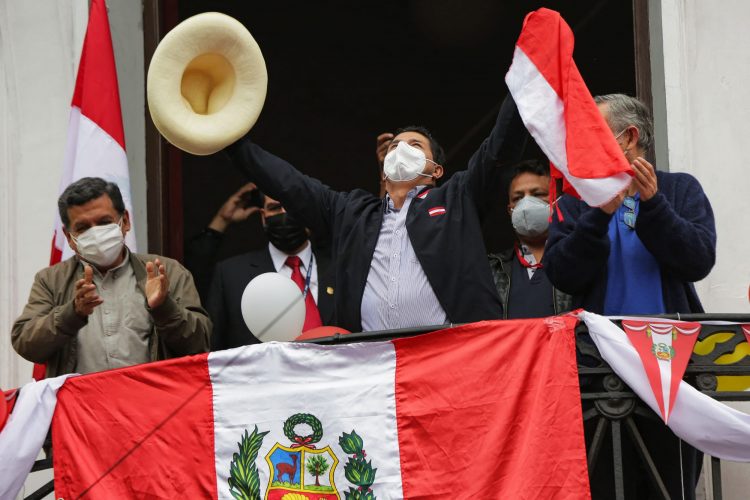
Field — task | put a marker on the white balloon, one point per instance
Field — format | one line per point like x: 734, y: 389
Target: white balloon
x: 273, y: 308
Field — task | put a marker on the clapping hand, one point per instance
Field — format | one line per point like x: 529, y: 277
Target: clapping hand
x: 157, y: 283
x: 86, y: 298
x: 645, y: 179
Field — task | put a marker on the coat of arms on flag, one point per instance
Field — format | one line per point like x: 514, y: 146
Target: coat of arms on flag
x: 664, y: 349
x: 301, y: 470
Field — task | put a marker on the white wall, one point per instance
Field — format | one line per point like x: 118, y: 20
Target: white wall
x: 702, y: 70
x: 40, y: 43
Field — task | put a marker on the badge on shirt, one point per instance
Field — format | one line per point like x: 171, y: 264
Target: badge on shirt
x: 436, y: 211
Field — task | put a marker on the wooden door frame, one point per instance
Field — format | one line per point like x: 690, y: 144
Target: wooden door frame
x: 163, y: 161
x: 642, y: 49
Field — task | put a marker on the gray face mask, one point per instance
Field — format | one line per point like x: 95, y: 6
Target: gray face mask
x: 530, y: 217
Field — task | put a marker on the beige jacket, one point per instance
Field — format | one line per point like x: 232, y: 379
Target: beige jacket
x: 47, y: 329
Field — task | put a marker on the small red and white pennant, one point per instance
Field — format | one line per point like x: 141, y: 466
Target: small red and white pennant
x: 664, y: 349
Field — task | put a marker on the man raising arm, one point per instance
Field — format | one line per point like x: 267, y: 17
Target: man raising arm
x: 415, y: 257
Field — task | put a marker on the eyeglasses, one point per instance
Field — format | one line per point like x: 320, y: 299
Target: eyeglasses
x: 628, y: 217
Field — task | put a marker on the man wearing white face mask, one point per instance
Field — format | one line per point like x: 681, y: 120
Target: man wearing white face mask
x: 107, y: 307
x: 521, y: 281
x: 415, y: 257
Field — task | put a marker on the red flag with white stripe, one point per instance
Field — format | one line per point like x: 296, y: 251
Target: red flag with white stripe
x: 96, y: 140
x: 560, y: 113
x: 452, y: 414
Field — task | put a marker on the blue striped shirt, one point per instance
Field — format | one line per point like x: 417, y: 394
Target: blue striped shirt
x: 397, y: 293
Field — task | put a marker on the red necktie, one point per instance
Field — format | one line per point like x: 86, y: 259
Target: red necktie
x: 312, y: 315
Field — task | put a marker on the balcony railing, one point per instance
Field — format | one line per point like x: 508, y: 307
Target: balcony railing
x: 718, y: 368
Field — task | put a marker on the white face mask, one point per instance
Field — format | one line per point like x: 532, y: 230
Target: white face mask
x: 405, y: 163
x: 530, y: 217
x: 100, y: 245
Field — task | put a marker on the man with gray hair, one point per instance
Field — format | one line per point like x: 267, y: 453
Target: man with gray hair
x: 641, y: 252
x: 107, y: 307
x: 638, y: 254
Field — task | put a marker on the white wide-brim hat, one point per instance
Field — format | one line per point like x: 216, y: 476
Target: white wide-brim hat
x: 206, y: 83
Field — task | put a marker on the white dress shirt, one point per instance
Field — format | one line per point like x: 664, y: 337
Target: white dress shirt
x: 397, y: 293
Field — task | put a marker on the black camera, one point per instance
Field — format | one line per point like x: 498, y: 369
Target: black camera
x: 252, y: 198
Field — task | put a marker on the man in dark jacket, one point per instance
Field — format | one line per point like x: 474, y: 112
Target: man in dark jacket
x: 415, y: 257
x: 641, y: 252
x: 519, y: 275
x: 638, y: 254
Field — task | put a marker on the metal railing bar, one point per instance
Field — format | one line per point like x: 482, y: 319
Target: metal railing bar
x: 377, y: 335
x: 617, y: 460
x: 640, y: 446
x: 608, y: 395
x: 45, y: 463
x: 42, y: 492
x: 596, y: 444
x: 716, y: 478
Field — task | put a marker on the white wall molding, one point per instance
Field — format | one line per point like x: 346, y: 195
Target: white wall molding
x: 9, y: 361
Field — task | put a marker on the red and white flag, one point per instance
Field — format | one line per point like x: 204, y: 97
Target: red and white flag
x: 96, y: 139
x: 665, y: 348
x: 559, y: 112
x: 488, y: 410
x: 707, y: 424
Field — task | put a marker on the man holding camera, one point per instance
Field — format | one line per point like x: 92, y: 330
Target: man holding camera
x: 289, y: 252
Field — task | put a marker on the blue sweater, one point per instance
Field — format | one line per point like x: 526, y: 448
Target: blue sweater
x: 676, y: 226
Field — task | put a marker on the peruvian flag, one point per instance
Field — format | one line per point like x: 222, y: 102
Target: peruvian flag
x: 559, y: 112
x: 665, y: 348
x: 96, y: 140
x: 488, y: 410
x: 707, y: 424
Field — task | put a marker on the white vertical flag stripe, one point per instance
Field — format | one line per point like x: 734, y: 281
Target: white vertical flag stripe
x: 267, y: 385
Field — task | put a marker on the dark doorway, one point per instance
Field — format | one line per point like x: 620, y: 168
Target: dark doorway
x: 341, y: 72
